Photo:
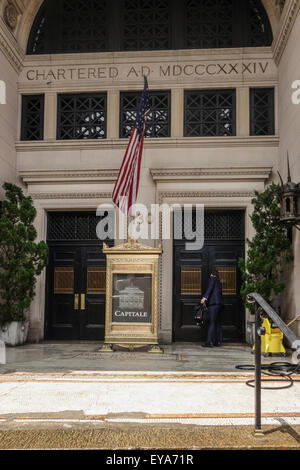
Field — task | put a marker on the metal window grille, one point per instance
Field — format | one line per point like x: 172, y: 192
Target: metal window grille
x: 258, y: 34
x: 262, y: 111
x: 224, y: 226
x: 84, y: 25
x: 158, y: 119
x: 36, y: 43
x: 218, y: 226
x: 70, y: 26
x: 81, y: 116
x: 146, y: 25
x: 226, y: 23
x: 209, y: 24
x: 210, y: 113
x: 32, y: 127
x: 76, y: 226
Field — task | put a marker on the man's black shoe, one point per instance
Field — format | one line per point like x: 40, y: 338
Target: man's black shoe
x: 207, y: 345
x: 218, y: 345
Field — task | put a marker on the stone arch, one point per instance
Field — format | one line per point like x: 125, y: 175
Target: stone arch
x: 32, y: 7
x: 28, y: 17
x: 272, y: 12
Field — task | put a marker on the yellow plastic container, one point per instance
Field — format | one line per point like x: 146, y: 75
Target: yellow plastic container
x: 271, y: 342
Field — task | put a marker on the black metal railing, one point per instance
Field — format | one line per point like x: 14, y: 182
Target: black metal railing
x: 263, y: 309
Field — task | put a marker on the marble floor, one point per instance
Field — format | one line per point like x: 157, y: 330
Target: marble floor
x: 57, y: 357
x: 58, y: 388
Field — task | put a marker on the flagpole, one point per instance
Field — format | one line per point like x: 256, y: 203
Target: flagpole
x: 126, y: 188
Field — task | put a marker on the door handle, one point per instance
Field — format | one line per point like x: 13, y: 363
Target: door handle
x: 82, y: 303
x: 76, y: 302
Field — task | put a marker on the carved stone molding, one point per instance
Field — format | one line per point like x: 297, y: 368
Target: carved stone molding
x: 288, y: 22
x: 104, y: 195
x: 172, y: 142
x: 70, y: 176
x: 180, y: 195
x: 280, y: 5
x: 171, y: 174
x: 9, y: 47
x: 11, y: 16
x: 132, y: 246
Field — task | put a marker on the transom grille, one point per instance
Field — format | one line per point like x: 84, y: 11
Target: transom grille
x: 210, y: 113
x: 224, y: 226
x: 146, y: 25
x: 70, y: 26
x: 218, y: 226
x: 81, y: 116
x: 37, y: 39
x: 76, y: 226
x: 209, y: 24
x: 157, y: 120
x: 89, y: 17
x: 256, y: 24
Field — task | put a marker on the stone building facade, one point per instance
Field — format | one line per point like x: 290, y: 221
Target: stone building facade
x: 218, y: 162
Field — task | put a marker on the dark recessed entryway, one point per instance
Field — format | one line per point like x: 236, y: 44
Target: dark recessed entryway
x: 224, y: 245
x: 75, y: 292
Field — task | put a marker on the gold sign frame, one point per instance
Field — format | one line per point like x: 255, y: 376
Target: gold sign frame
x: 132, y: 259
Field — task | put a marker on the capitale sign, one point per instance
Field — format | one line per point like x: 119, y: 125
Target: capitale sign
x: 131, y: 316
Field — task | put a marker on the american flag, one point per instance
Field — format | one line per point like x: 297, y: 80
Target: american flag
x: 127, y: 185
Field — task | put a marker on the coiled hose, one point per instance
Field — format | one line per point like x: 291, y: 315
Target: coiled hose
x: 285, y: 370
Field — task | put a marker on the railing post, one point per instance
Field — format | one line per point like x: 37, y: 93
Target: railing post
x: 258, y: 430
x: 263, y: 308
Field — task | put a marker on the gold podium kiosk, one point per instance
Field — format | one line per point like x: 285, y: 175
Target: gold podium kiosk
x: 131, y: 317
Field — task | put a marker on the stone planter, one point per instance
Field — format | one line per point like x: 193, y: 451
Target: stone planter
x: 14, y: 333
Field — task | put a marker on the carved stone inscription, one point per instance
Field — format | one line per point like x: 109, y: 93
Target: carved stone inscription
x: 194, y: 70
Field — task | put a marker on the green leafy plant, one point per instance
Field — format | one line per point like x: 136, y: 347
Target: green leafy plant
x: 269, y: 251
x: 21, y: 259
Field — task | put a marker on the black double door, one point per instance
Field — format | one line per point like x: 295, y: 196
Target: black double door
x: 191, y: 275
x: 75, y: 299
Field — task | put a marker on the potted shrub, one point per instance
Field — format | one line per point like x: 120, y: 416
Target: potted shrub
x: 269, y: 251
x: 21, y: 261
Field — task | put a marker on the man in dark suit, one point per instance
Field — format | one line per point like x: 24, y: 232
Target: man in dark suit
x: 215, y: 303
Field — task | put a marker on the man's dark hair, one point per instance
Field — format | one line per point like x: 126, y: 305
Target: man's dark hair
x: 215, y: 272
